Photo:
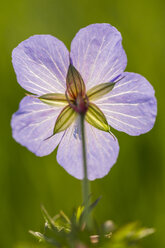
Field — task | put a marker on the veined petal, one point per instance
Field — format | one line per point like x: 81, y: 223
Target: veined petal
x: 74, y: 82
x: 41, y: 63
x: 102, y: 151
x: 96, y: 118
x: 131, y: 106
x: 97, y: 53
x: 33, y: 123
x: 65, y: 119
x: 99, y: 90
x: 54, y: 99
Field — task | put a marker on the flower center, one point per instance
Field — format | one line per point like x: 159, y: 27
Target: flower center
x: 77, y: 101
x: 79, y: 104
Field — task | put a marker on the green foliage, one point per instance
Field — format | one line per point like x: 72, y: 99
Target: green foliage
x: 62, y: 232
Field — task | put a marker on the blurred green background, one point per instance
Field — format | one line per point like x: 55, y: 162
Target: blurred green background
x: 135, y: 187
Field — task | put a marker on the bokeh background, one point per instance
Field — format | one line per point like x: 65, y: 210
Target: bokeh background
x: 135, y: 187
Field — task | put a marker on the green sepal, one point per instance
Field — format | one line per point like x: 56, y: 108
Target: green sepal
x: 65, y: 119
x: 96, y: 118
x: 74, y: 82
x: 55, y: 99
x: 100, y: 90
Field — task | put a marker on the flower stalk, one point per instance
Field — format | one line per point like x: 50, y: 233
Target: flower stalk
x: 85, y: 182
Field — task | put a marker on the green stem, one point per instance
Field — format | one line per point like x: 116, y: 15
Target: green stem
x: 85, y: 183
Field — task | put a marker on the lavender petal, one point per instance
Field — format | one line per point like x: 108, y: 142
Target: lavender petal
x: 33, y: 124
x: 131, y: 106
x: 102, y: 151
x: 97, y: 53
x: 41, y: 63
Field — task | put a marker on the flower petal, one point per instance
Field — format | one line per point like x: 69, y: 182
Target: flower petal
x: 41, y: 63
x: 97, y: 53
x: 33, y: 124
x: 131, y: 106
x: 102, y: 151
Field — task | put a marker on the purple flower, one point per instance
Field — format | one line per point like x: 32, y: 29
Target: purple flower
x: 89, y: 79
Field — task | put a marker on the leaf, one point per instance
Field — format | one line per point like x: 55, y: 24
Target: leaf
x: 48, y: 219
x: 65, y: 217
x: 43, y: 238
x: 61, y: 221
x: 37, y: 235
x: 125, y: 232
x: 94, y: 204
x: 86, y: 211
x: 65, y: 119
x: 142, y: 232
x: 79, y: 212
x: 96, y: 118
